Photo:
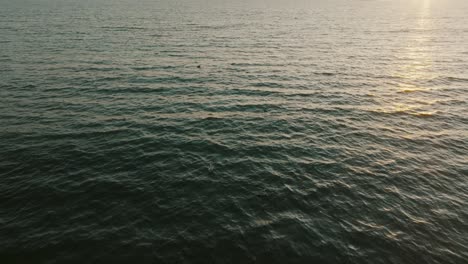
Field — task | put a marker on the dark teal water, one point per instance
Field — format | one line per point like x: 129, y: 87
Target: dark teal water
x: 312, y: 132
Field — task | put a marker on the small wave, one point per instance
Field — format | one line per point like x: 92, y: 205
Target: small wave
x: 268, y: 84
x: 424, y: 114
x: 129, y: 90
x: 325, y: 73
x: 457, y: 79
x: 148, y: 68
x: 101, y: 69
x: 31, y: 86
x: 408, y: 112
x: 124, y: 28
x: 213, y: 26
x: 411, y: 90
x: 252, y: 64
x: 267, y: 107
x: 254, y: 92
x: 170, y: 79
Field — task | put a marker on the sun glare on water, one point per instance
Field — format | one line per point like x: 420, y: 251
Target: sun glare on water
x: 417, y: 69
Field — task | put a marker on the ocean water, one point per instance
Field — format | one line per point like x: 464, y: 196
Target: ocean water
x: 215, y: 131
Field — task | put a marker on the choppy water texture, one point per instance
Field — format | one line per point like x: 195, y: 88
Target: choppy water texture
x: 312, y: 132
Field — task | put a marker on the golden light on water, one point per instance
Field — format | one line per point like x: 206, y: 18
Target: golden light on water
x: 418, y: 55
x: 417, y: 52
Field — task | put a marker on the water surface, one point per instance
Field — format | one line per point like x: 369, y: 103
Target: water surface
x: 248, y: 132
